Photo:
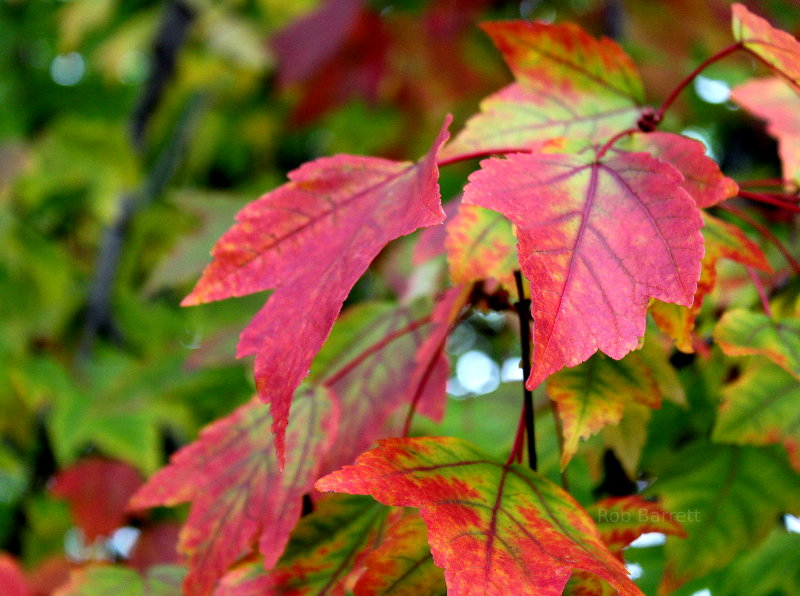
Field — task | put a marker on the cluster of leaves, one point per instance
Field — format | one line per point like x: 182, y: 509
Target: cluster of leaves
x: 584, y: 217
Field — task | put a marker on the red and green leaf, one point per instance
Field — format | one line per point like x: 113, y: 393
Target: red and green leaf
x: 722, y: 241
x: 325, y: 547
x: 621, y: 520
x: 702, y: 178
x: 311, y: 240
x: 744, y: 333
x: 594, y: 394
x: 771, y: 99
x: 760, y: 408
x: 775, y: 48
x: 97, y: 491
x: 481, y: 245
x: 597, y: 240
x: 96, y: 580
x: 238, y: 494
x: 402, y: 563
x: 568, y: 84
x: 495, y: 528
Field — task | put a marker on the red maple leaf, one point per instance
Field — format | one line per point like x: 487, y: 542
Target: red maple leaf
x: 383, y: 358
x: 238, y: 493
x: 597, y: 240
x: 97, y: 490
x: 495, y: 528
x: 12, y: 580
x: 311, y: 239
x: 567, y: 84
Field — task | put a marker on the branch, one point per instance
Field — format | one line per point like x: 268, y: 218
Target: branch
x: 177, y: 18
x: 523, y: 307
x: 98, y: 314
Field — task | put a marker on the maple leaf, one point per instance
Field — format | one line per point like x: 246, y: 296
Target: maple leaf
x: 379, y: 357
x: 722, y: 241
x: 703, y: 180
x: 97, y: 490
x: 495, y: 528
x: 402, y: 563
x: 775, y: 48
x: 742, y: 333
x: 311, y: 240
x: 237, y: 491
x: 12, y: 580
x: 431, y: 240
x: 597, y: 239
x: 324, y: 547
x: 481, y: 245
x: 304, y: 47
x: 620, y: 521
x: 336, y: 53
x: 594, y: 394
x: 161, y: 580
x: 760, y: 408
x: 771, y: 99
x: 727, y: 498
x: 771, y: 569
x: 157, y: 544
x: 568, y: 84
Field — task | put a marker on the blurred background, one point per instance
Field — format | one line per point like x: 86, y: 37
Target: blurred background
x: 131, y: 132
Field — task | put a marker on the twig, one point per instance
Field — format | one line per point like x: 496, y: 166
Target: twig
x: 174, y: 26
x: 523, y: 307
x: 175, y: 22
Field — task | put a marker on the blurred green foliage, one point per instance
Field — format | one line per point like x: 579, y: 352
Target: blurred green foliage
x: 71, y: 76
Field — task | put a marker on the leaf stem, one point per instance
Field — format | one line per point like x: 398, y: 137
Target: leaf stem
x: 659, y: 113
x: 519, y: 439
x: 766, y: 233
x: 423, y: 381
x: 769, y: 200
x: 478, y: 154
x: 604, y: 149
x: 523, y: 307
x: 765, y: 182
x: 761, y: 292
x: 466, y: 292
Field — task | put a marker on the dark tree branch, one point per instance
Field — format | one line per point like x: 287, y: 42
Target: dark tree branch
x: 171, y: 34
x: 523, y: 306
x: 178, y: 16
